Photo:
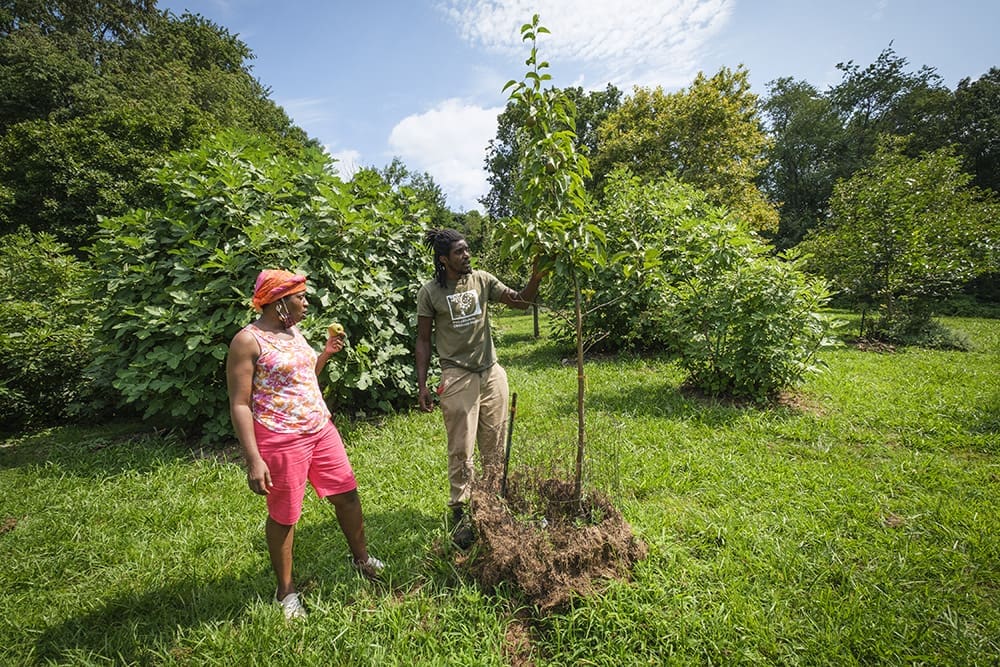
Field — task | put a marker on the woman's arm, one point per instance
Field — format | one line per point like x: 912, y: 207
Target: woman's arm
x: 334, y: 344
x: 243, y: 352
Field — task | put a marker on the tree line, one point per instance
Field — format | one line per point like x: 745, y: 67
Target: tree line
x: 773, y: 159
x: 818, y: 172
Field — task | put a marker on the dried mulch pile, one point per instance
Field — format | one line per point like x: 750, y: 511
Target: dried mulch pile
x: 547, y: 545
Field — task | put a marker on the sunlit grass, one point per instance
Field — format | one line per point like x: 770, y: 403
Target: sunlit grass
x: 857, y: 523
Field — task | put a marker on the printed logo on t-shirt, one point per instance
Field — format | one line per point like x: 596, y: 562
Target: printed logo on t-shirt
x: 464, y: 308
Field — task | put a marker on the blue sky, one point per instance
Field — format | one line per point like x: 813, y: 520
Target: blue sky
x: 422, y: 79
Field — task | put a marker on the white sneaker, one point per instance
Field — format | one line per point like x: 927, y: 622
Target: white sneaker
x: 371, y: 568
x: 292, y: 606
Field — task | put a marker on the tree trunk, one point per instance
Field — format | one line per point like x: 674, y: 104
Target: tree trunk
x: 580, y: 385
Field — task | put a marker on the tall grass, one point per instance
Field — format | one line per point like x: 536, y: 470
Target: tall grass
x: 856, y: 523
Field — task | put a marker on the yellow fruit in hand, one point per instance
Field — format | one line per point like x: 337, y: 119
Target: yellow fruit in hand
x: 336, y: 329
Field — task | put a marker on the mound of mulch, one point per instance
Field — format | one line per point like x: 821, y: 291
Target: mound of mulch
x: 547, y: 545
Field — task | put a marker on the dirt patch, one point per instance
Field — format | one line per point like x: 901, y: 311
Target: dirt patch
x: 800, y: 403
x: 547, y: 545
x: 517, y: 644
x: 7, y: 524
x: 693, y: 393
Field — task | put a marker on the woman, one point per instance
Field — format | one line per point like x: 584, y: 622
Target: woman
x: 284, y: 427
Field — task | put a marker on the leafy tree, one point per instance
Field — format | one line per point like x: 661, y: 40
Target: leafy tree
x: 502, y: 153
x: 903, y: 233
x: 501, y: 163
x: 709, y: 136
x: 47, y: 321
x: 422, y: 188
x: 976, y: 127
x: 177, y: 276
x: 822, y: 137
x: 94, y: 94
x: 474, y: 226
x: 976, y: 131
x: 885, y: 98
x: 803, y: 161
x: 549, y: 226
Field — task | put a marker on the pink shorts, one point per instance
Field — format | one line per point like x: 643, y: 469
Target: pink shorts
x: 294, y: 458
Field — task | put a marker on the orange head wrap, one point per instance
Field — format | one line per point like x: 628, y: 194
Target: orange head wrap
x: 273, y: 284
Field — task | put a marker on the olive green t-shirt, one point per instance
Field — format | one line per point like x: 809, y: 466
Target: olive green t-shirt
x: 461, y: 319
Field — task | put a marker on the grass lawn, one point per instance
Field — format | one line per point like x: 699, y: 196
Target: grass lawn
x: 858, y: 523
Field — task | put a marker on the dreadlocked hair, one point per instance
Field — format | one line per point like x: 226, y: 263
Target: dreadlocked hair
x: 440, y: 242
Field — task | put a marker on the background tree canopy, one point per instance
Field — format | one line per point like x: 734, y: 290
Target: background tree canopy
x: 93, y: 94
x: 709, y: 135
x: 820, y: 137
x: 592, y: 108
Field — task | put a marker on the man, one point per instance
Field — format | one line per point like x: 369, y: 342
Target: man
x: 473, y: 390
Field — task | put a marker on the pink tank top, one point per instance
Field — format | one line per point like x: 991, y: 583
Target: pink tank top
x: 286, y: 397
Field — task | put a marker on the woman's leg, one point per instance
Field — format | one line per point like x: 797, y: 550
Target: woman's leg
x: 348, y: 509
x: 279, y: 546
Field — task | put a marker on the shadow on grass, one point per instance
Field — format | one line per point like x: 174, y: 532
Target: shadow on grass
x: 651, y: 392
x: 400, y: 537
x: 101, y: 451
x: 89, y: 450
x: 138, y: 627
x: 650, y: 395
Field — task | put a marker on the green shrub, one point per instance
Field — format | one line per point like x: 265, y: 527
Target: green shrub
x: 750, y: 330
x: 179, y: 277
x: 47, y: 321
x: 742, y: 322
x: 625, y: 306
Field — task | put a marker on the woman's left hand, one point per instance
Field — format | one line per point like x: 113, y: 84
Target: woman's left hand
x: 334, y: 344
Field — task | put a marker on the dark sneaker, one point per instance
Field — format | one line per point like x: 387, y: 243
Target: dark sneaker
x: 463, y: 537
x: 461, y: 529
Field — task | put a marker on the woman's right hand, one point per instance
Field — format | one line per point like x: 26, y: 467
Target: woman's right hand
x: 259, y: 478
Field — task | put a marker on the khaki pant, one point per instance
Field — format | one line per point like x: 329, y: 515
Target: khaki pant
x: 475, y: 411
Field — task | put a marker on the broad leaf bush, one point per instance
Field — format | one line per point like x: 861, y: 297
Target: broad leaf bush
x: 903, y: 235
x: 742, y: 322
x: 47, y: 322
x: 179, y: 276
x: 750, y: 330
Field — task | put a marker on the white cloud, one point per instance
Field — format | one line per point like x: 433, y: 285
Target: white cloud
x: 628, y: 42
x: 348, y: 161
x: 449, y: 142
